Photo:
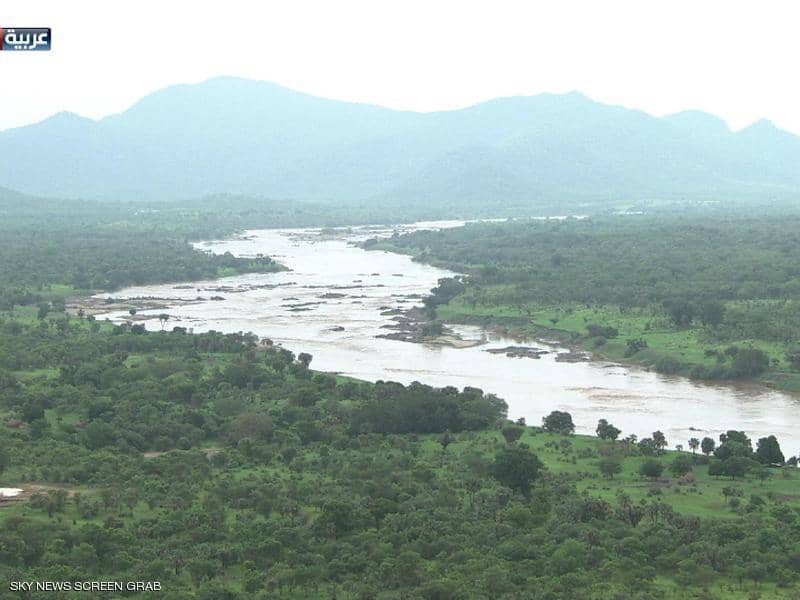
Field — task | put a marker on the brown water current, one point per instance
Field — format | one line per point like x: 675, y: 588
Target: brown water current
x: 330, y: 303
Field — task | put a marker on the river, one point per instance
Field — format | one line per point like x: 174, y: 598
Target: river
x: 330, y: 305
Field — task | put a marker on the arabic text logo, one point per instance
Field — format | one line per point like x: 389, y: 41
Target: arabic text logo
x: 28, y: 39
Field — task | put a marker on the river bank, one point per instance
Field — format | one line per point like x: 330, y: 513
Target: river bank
x: 338, y: 303
x: 658, y: 356
x: 712, y: 299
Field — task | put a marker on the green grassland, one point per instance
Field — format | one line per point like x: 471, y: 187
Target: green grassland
x: 575, y: 458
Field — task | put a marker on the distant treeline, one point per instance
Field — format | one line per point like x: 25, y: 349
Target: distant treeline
x: 107, y: 245
x: 627, y: 261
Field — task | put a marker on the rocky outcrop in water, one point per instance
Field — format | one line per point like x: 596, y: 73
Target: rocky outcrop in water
x: 413, y: 325
x: 519, y: 351
x: 573, y: 357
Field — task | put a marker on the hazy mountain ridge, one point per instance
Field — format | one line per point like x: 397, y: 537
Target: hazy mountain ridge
x: 240, y: 136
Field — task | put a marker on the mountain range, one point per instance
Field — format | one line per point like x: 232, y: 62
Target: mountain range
x: 229, y: 135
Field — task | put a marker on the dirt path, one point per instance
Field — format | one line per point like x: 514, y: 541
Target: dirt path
x: 29, y: 489
x: 208, y: 451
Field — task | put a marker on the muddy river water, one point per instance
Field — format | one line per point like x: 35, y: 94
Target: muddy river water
x: 330, y: 305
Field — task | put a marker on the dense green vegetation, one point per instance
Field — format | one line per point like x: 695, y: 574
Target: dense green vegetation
x: 707, y: 295
x: 223, y: 467
x: 51, y: 248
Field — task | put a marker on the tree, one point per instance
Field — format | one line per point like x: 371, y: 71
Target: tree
x: 446, y: 439
x: 447, y: 289
x: 132, y: 312
x: 473, y: 486
x: 606, y: 431
x: 628, y: 511
x: 512, y: 433
x: 601, y: 331
x: 707, y: 445
x: 163, y: 318
x: 609, y: 467
x: 731, y: 492
x: 635, y: 345
x: 432, y: 329
x: 680, y: 311
x: 43, y: 310
x: 58, y: 498
x: 559, y: 422
x: 84, y: 556
x: 651, y: 468
x: 749, y: 362
x: 660, y: 441
x: 33, y: 410
x: 793, y: 358
x: 203, y: 569
x: 762, y: 474
x: 733, y: 435
x: 712, y: 313
x: 304, y: 358
x: 647, y: 447
x: 99, y: 434
x: 254, y: 426
x: 681, y: 465
x: 694, y: 444
x: 715, y: 468
x: 734, y: 447
x: 768, y: 451
x: 340, y: 516
x: 733, y: 467
x: 515, y: 466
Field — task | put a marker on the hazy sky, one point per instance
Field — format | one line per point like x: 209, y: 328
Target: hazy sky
x: 736, y: 59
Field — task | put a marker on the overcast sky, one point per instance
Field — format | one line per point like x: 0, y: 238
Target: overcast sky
x: 736, y: 59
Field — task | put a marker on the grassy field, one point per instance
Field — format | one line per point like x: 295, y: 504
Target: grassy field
x: 576, y: 457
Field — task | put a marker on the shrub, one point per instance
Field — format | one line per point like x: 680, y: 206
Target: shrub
x: 634, y: 346
x: 667, y: 365
x: 749, y: 362
x: 681, y: 465
x: 651, y: 468
x: 596, y: 330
